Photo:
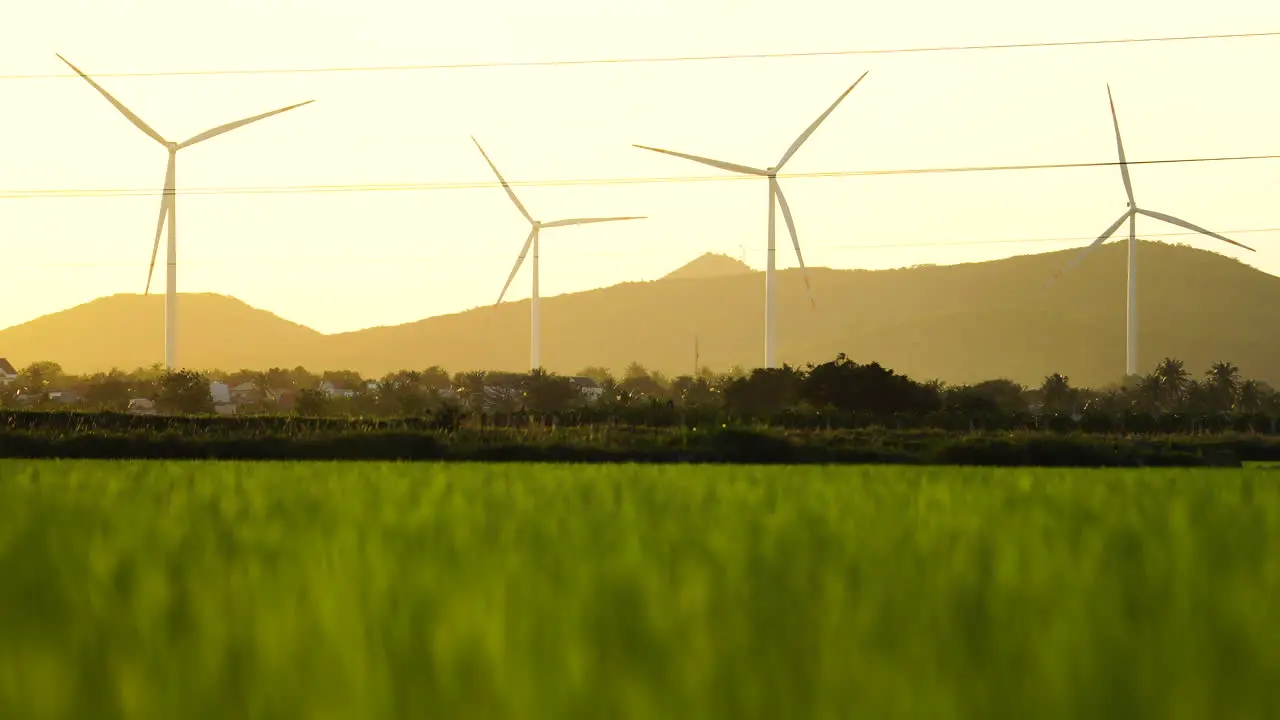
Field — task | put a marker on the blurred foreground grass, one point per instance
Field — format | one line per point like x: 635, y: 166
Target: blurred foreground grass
x: 212, y: 590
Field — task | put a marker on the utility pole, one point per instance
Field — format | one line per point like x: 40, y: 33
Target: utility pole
x: 696, y: 366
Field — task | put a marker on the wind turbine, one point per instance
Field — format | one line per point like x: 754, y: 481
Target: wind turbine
x: 1131, y: 214
x: 775, y: 191
x: 535, y: 312
x: 168, y: 206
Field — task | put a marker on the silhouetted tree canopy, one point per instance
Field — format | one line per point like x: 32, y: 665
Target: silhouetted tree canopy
x: 764, y: 391
x: 183, y: 391
x: 849, y: 387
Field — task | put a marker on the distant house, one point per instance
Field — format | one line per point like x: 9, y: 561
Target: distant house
x: 332, y: 389
x: 142, y: 406
x: 244, y: 392
x: 225, y: 408
x: 27, y: 399
x: 7, y: 373
x: 502, y: 398
x: 220, y: 392
x: 66, y: 397
x: 589, y: 388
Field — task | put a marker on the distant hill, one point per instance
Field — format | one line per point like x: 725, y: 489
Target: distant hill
x: 710, y: 265
x: 960, y: 323
x: 127, y: 331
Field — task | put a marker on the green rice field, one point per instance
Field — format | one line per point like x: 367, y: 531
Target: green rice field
x: 324, y: 590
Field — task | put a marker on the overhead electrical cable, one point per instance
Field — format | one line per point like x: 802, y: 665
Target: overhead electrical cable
x: 656, y: 59
x: 13, y: 194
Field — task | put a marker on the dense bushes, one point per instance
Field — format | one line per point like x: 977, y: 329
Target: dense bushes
x: 106, y: 435
x: 837, y: 395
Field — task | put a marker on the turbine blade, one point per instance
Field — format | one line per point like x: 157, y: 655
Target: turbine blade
x: 1124, y: 164
x: 731, y: 167
x: 1093, y: 246
x: 586, y: 221
x: 795, y: 240
x: 1194, y: 228
x: 239, y: 123
x: 523, y: 251
x: 805, y: 135
x: 165, y: 202
x: 505, y: 186
x: 137, y: 121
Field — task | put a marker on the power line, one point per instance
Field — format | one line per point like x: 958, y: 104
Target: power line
x: 661, y: 59
x: 435, y: 258
x: 423, y: 187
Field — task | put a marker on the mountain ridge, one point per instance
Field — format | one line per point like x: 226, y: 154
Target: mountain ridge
x: 708, y: 265
x: 959, y: 323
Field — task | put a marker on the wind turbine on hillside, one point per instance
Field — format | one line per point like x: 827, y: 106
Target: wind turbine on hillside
x: 1131, y: 214
x: 535, y: 312
x: 168, y: 206
x: 775, y: 191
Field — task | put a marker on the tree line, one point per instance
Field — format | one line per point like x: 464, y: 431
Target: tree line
x: 839, y: 393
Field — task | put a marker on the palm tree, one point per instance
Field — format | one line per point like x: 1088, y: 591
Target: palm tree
x: 596, y: 372
x: 471, y: 388
x: 1147, y: 394
x: 1224, y: 383
x: 1201, y: 398
x: 1249, y: 398
x: 635, y: 371
x: 1056, y: 394
x: 613, y: 393
x: 1224, y: 373
x: 659, y: 379
x: 938, y: 389
x: 1174, y: 379
x: 1110, y: 402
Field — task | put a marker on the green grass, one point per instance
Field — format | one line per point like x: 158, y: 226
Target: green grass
x: 205, y: 590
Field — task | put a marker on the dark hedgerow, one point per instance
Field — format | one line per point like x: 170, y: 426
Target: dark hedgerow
x: 111, y: 435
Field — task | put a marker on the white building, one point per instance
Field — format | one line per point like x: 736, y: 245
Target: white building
x: 332, y: 389
x: 589, y: 388
x: 220, y: 392
x: 142, y: 406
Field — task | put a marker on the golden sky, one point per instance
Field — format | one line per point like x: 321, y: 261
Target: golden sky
x: 342, y: 261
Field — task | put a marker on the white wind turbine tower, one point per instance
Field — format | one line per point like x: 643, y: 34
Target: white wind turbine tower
x: 775, y: 191
x: 168, y: 206
x: 535, y: 312
x: 1131, y: 214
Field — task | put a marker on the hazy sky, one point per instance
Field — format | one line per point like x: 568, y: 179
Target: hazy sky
x: 342, y: 261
